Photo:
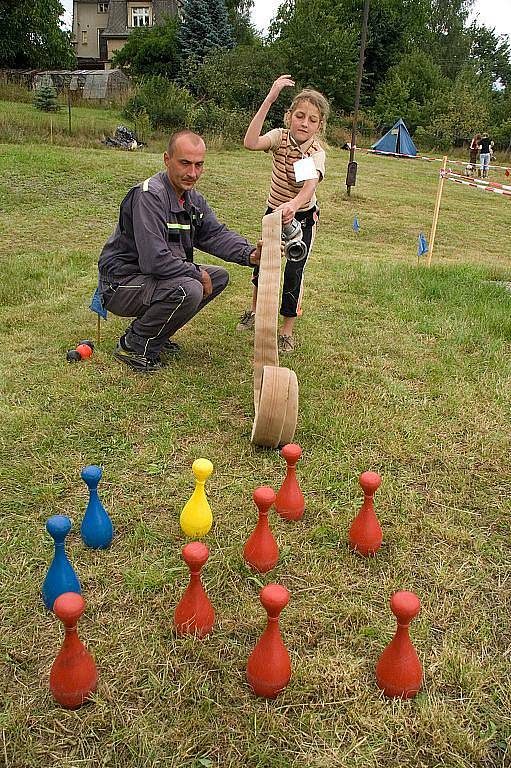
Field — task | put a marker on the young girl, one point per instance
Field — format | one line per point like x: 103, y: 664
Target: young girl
x: 304, y: 120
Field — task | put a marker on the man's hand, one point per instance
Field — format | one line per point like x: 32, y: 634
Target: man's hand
x: 255, y: 256
x: 288, y: 212
x: 207, y: 285
x: 280, y: 83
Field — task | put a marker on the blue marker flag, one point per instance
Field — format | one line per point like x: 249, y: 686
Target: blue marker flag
x: 356, y: 225
x: 97, y: 306
x: 423, y: 245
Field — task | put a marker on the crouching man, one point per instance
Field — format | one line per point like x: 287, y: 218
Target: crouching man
x: 146, y: 268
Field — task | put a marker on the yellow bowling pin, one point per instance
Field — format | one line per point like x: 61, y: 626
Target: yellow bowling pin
x: 196, y: 518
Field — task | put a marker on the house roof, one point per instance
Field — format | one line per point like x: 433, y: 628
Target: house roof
x: 117, y: 18
x: 117, y: 25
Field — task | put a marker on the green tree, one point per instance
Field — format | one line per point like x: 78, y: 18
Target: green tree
x: 491, y: 54
x: 394, y: 26
x: 151, y: 51
x: 502, y: 135
x: 46, y: 99
x: 393, y: 101
x: 239, y: 19
x: 326, y: 61
x: 239, y: 78
x: 205, y: 26
x: 31, y: 35
x: 501, y: 118
x: 466, y: 109
x: 501, y: 106
x: 447, y: 37
x: 414, y: 89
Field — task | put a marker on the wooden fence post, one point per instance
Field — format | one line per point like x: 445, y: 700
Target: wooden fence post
x: 437, y: 210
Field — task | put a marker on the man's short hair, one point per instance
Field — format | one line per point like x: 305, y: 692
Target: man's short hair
x: 195, y: 138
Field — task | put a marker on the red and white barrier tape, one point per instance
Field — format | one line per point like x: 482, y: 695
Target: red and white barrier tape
x: 398, y: 154
x: 476, y: 165
x: 481, y: 187
x: 484, y: 182
x: 431, y: 159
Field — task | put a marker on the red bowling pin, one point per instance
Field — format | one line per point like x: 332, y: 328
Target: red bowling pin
x: 399, y: 671
x: 73, y: 676
x: 365, y: 534
x: 194, y: 614
x: 261, y: 551
x: 269, y: 667
x: 290, y: 503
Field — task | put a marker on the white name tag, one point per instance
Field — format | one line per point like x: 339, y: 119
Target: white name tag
x: 305, y: 169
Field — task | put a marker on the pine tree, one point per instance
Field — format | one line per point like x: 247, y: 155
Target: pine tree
x: 46, y: 99
x: 205, y: 26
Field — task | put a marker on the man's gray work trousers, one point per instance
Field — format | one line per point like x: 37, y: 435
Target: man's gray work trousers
x: 160, y: 307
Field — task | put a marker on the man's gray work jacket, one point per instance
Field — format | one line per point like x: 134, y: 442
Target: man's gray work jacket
x: 156, y: 234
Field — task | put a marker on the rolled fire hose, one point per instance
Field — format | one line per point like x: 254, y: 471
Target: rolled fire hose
x: 275, y: 388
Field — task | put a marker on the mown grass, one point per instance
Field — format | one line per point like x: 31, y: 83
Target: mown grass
x: 402, y: 370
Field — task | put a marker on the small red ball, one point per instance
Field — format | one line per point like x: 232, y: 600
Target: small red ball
x: 84, y: 350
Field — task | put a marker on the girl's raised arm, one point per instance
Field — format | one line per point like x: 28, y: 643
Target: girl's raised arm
x: 253, y: 139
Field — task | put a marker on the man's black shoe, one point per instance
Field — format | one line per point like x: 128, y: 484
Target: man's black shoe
x: 139, y: 363
x: 171, y: 348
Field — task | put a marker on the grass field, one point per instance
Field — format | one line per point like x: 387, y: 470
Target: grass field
x: 402, y: 370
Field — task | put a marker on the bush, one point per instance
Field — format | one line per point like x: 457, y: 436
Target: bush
x: 337, y: 134
x: 212, y: 120
x: 239, y: 78
x: 424, y: 139
x: 150, y: 51
x: 339, y: 127
x: 142, y: 126
x: 502, y: 135
x: 166, y: 105
x: 14, y: 91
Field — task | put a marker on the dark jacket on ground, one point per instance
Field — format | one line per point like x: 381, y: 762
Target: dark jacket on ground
x: 156, y: 234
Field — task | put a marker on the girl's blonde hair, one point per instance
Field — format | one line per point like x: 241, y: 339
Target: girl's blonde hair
x: 316, y: 99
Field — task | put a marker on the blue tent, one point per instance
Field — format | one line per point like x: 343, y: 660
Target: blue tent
x: 396, y: 141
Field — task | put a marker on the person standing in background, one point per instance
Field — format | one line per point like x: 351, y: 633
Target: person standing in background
x: 473, y: 149
x: 485, y: 148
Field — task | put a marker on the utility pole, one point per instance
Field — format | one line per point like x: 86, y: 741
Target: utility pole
x: 351, y: 175
x: 69, y: 106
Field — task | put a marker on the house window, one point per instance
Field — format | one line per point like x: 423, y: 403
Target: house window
x: 84, y: 37
x: 140, y: 16
x: 102, y: 7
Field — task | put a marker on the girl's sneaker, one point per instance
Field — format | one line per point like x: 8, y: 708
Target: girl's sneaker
x: 286, y: 344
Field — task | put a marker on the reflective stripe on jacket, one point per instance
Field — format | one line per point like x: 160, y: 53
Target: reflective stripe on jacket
x: 156, y: 234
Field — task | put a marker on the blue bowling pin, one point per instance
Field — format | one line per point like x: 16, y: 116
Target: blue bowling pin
x: 97, y: 529
x: 61, y: 576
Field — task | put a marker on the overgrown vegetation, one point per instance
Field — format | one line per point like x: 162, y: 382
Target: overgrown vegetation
x: 31, y: 35
x: 151, y: 51
x: 425, y: 62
